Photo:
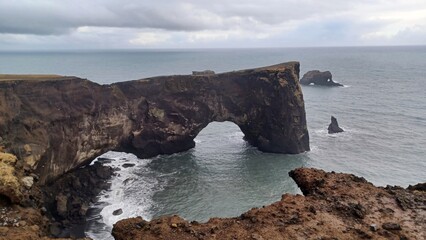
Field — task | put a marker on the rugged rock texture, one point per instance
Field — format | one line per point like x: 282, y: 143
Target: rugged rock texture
x: 59, y: 123
x: 335, y: 206
x: 10, y: 187
x: 319, y: 78
x: 334, y: 126
x: 22, y: 215
x: 67, y: 199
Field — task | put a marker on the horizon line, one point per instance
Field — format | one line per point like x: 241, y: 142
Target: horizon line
x: 196, y: 48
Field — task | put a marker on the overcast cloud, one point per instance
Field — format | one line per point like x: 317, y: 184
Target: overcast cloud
x: 54, y: 24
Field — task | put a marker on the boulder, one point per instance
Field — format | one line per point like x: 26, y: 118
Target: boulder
x: 117, y: 212
x: 334, y: 126
x: 27, y: 181
x: 316, y: 77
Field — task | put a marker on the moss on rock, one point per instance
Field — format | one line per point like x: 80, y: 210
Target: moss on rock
x: 9, y: 182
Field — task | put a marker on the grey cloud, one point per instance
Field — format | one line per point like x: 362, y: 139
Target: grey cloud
x: 283, y: 22
x: 57, y: 18
x: 45, y: 17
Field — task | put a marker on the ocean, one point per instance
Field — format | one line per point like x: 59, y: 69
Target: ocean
x: 382, y: 108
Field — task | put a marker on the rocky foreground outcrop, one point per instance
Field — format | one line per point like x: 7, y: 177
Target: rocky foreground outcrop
x: 55, y: 210
x: 334, y: 206
x: 319, y: 78
x: 56, y: 124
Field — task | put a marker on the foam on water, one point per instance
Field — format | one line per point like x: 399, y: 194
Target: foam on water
x: 121, y: 194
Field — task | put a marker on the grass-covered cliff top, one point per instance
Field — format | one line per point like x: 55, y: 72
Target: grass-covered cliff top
x: 12, y: 77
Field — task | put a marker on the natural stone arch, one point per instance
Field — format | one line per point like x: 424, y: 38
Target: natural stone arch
x: 266, y: 104
x: 59, y: 124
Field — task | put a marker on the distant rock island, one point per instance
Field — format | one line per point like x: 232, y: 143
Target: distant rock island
x: 334, y: 126
x: 317, y: 77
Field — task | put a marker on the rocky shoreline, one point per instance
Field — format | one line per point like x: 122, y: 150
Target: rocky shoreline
x: 56, y: 210
x: 334, y: 206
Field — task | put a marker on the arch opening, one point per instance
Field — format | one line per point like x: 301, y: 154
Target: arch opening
x: 220, y: 136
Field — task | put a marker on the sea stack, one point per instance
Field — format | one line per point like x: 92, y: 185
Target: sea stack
x: 316, y: 77
x: 334, y: 126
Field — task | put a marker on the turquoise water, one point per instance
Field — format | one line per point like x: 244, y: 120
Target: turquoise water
x: 382, y: 108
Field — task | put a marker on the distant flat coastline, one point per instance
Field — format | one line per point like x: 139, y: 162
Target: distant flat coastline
x: 40, y: 77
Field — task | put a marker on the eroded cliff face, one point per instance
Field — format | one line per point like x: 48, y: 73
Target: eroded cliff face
x: 59, y: 123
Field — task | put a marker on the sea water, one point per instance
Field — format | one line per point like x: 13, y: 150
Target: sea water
x: 382, y: 109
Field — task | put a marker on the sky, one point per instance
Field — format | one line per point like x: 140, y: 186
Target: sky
x: 145, y: 24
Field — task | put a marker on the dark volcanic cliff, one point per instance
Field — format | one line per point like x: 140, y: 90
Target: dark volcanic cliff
x: 58, y: 123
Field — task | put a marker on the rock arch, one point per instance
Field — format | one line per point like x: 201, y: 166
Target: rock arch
x: 57, y: 124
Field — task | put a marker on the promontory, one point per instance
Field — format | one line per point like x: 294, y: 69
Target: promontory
x: 56, y: 124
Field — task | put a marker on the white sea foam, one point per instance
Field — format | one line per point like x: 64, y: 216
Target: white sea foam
x: 320, y: 131
x: 314, y: 148
x: 121, y: 194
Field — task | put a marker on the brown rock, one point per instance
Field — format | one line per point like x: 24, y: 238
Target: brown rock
x: 391, y: 226
x: 3, y: 231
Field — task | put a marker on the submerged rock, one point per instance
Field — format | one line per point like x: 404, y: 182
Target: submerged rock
x: 127, y: 165
x: 334, y: 126
x: 319, y: 78
x: 117, y: 212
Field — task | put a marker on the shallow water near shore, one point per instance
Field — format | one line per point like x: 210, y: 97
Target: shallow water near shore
x: 382, y: 109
